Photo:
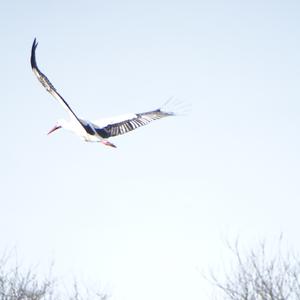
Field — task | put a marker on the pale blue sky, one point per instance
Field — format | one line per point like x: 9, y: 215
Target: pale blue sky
x: 144, y: 218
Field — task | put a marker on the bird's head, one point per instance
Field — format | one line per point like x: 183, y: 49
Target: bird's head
x: 59, y: 124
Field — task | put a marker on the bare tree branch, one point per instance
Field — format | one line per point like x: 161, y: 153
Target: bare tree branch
x: 260, y: 275
x: 17, y: 284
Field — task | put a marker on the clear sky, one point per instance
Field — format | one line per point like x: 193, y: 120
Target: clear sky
x: 144, y: 218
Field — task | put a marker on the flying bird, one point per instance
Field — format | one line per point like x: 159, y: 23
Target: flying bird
x: 95, y: 131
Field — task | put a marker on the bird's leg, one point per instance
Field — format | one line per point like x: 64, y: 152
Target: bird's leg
x: 107, y: 143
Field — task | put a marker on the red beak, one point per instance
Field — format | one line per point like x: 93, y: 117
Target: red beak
x: 54, y: 128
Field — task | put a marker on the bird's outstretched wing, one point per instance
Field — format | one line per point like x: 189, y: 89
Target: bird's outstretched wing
x: 122, y: 124
x: 47, y: 84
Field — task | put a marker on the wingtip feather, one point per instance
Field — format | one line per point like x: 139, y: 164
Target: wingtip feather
x: 32, y: 58
x: 175, y: 107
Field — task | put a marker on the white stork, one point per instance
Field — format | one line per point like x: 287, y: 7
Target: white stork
x: 96, y: 131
